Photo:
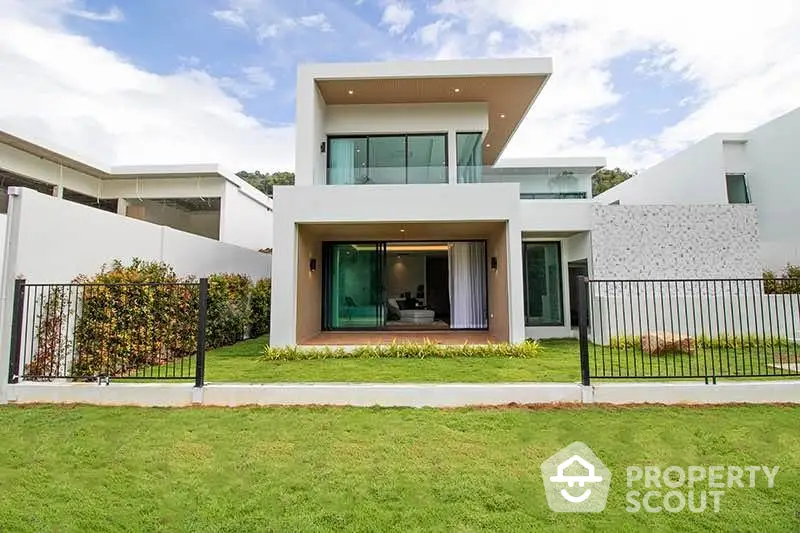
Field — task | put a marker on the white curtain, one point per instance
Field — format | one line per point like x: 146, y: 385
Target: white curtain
x: 343, y: 162
x: 467, y: 264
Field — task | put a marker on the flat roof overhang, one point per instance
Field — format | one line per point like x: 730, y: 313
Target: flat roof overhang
x: 398, y: 232
x: 508, y: 86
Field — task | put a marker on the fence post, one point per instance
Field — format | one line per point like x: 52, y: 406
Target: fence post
x: 16, y: 330
x: 583, y: 327
x: 200, y: 369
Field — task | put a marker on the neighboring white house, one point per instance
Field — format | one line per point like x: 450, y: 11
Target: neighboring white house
x: 757, y: 167
x: 200, y: 199
x: 404, y: 217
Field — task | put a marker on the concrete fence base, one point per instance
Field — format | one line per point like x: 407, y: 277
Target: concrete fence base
x: 403, y: 394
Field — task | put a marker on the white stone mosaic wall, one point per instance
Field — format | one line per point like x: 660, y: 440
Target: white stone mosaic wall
x: 675, y: 242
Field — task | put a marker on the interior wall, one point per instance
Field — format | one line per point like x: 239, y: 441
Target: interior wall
x: 205, y: 223
x: 309, y: 286
x: 404, y: 273
x: 202, y: 223
x: 497, y: 246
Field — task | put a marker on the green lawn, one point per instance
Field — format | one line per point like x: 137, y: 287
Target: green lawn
x: 757, y: 360
x: 558, y: 362
x: 320, y: 469
x: 242, y: 362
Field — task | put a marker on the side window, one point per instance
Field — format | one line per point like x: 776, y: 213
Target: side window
x: 737, y: 189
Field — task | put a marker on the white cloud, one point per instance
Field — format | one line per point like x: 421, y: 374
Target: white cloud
x: 397, y: 16
x: 230, y: 16
x: 429, y: 34
x: 316, y: 21
x: 253, y: 81
x: 742, y: 58
x: 114, y: 14
x: 259, y: 77
x: 267, y: 19
x: 64, y: 88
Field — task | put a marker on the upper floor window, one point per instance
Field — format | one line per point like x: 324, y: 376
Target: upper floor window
x: 737, y: 189
x: 387, y: 159
x: 470, y: 157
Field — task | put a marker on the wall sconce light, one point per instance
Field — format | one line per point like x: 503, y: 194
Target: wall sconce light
x: 312, y: 265
x: 494, y: 263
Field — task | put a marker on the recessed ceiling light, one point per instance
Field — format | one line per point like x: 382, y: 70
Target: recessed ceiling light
x: 350, y: 91
x: 488, y: 145
x: 402, y: 231
x: 502, y: 115
x: 456, y: 90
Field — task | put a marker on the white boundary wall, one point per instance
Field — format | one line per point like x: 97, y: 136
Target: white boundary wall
x: 49, y: 240
x: 53, y: 241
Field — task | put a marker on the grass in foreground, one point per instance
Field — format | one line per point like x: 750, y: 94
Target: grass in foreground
x: 242, y: 362
x: 319, y: 469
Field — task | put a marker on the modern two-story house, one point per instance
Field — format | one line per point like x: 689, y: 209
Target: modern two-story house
x: 402, y: 219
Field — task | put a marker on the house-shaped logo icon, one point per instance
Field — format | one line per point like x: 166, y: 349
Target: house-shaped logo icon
x: 576, y: 466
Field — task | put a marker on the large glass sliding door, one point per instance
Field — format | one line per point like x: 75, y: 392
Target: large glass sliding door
x: 543, y: 287
x: 353, y: 290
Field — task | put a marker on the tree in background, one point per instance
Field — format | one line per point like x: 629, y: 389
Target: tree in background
x: 606, y: 178
x: 264, y: 181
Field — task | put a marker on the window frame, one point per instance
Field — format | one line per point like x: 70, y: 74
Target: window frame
x: 528, y: 323
x: 405, y: 136
x: 747, y: 198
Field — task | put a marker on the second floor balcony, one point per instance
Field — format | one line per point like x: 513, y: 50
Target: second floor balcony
x: 535, y: 183
x: 418, y: 159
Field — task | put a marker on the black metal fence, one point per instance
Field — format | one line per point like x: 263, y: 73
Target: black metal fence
x: 689, y: 329
x: 108, y: 331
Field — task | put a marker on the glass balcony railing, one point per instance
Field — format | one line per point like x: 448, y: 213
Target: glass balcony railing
x: 535, y: 183
x: 386, y: 175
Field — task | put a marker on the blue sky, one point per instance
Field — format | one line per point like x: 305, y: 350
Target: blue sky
x: 631, y: 82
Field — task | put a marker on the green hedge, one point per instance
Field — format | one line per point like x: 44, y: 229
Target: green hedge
x: 228, y: 311
x: 786, y: 282
x: 126, y: 323
x: 140, y: 314
x: 524, y: 350
x: 260, y: 299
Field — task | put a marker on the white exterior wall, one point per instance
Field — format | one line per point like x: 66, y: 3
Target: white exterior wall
x: 734, y: 156
x: 695, y: 175
x: 387, y: 203
x: 773, y: 177
x: 53, y: 244
x: 555, y: 215
x: 766, y: 155
x: 245, y: 219
x: 310, y: 115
